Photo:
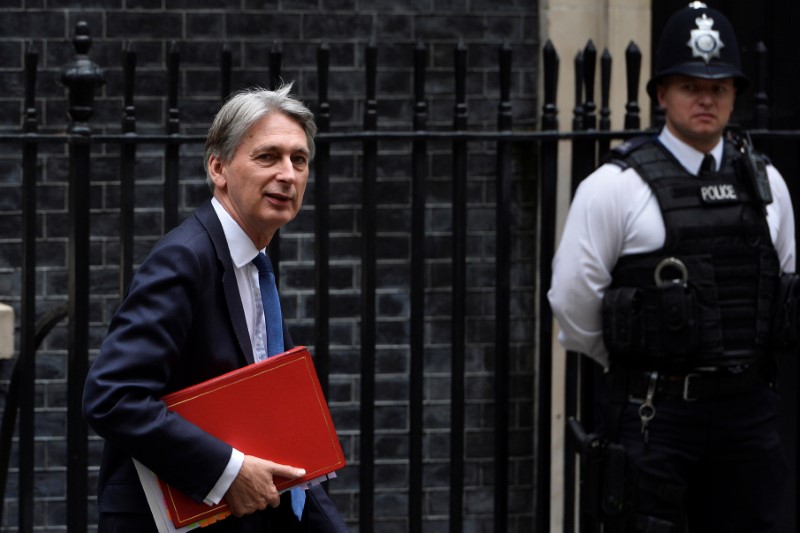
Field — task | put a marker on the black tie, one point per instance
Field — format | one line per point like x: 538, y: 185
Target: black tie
x: 708, y: 167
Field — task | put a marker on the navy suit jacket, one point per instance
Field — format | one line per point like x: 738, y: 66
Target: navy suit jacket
x: 181, y: 323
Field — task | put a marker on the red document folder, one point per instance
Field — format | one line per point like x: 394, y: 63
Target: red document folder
x: 273, y: 409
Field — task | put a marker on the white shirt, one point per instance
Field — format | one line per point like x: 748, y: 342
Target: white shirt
x: 615, y: 213
x: 243, y: 251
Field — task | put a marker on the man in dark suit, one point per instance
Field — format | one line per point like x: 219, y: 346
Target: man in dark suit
x: 194, y: 312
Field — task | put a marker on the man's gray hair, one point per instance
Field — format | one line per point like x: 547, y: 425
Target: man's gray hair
x: 244, y: 109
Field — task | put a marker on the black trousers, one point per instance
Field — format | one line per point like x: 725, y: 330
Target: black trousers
x: 711, y: 465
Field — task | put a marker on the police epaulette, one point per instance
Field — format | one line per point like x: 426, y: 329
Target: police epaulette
x: 620, y: 153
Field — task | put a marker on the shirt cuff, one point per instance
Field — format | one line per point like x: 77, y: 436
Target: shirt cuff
x: 226, y: 479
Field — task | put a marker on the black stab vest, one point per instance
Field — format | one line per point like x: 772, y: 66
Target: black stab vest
x: 711, y: 303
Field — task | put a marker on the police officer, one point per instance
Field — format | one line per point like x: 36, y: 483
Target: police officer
x: 670, y: 274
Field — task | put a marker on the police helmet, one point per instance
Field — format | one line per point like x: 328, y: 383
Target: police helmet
x: 697, y: 41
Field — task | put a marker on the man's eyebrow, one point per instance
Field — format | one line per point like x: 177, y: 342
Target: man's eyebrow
x: 278, y: 147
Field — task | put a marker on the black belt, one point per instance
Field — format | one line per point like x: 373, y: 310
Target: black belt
x: 691, y: 386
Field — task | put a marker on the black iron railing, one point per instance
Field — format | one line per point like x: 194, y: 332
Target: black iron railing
x: 590, y: 137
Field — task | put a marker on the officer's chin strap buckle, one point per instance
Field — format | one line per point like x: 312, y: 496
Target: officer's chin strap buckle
x: 687, y: 397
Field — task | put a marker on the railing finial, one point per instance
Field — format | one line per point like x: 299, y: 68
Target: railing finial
x: 82, y: 77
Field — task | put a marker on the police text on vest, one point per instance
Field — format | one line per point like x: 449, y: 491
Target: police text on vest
x: 718, y: 193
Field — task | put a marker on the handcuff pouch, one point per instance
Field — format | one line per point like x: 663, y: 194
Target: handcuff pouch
x: 654, y: 322
x: 623, y: 321
x: 678, y: 332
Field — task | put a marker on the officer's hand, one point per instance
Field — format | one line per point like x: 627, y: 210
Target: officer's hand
x: 254, y: 488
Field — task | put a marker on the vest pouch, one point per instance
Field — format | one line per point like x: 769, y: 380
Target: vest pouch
x: 623, y: 321
x: 676, y: 318
x: 785, y: 327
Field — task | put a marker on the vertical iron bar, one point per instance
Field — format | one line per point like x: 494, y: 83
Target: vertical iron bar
x: 79, y: 169
x: 459, y: 214
x: 127, y: 161
x: 82, y: 77
x: 368, y: 285
x: 633, y: 67
x: 589, y: 516
x: 322, y: 218
x: 657, y: 118
x: 571, y: 398
x: 579, y: 401
x: 275, y: 62
x: 603, y: 145
x: 761, y: 98
x: 419, y: 158
x: 571, y: 370
x: 580, y: 373
x: 571, y: 381
x: 584, y: 151
x: 275, y: 59
x: 27, y: 360
x: 578, y: 117
x: 502, y: 296
x: 583, y: 155
x: 9, y: 419
x: 172, y: 149
x: 589, y: 107
x: 589, y: 68
x: 77, y: 464
x: 547, y: 201
x: 578, y: 111
x: 225, y: 69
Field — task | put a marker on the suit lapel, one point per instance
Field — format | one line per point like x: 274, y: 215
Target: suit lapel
x: 208, y: 218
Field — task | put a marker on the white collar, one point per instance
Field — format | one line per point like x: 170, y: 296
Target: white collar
x: 240, y: 245
x: 690, y: 158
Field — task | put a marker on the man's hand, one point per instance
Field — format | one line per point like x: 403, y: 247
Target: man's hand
x: 254, y: 489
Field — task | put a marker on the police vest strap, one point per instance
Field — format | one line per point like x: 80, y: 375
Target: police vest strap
x: 619, y: 153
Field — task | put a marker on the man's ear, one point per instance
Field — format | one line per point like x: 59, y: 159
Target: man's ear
x: 660, y: 88
x: 216, y: 171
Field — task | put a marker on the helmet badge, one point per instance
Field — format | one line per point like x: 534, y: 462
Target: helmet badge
x: 705, y: 42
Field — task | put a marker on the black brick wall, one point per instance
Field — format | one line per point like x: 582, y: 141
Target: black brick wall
x: 252, y: 28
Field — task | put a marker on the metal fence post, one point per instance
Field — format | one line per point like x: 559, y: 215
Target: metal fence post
x: 172, y: 149
x: 547, y: 201
x: 25, y: 371
x: 322, y: 218
x: 459, y: 275
x: 82, y: 77
x: 633, y: 66
x: 127, y: 164
x: 419, y: 178
x: 368, y: 289
x: 503, y: 218
x: 275, y: 62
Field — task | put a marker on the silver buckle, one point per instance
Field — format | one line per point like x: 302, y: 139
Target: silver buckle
x: 686, y: 381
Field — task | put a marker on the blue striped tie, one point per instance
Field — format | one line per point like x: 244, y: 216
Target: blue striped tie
x: 271, y: 303
x: 274, y: 321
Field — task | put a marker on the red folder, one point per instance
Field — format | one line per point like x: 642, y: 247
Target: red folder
x: 273, y: 409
